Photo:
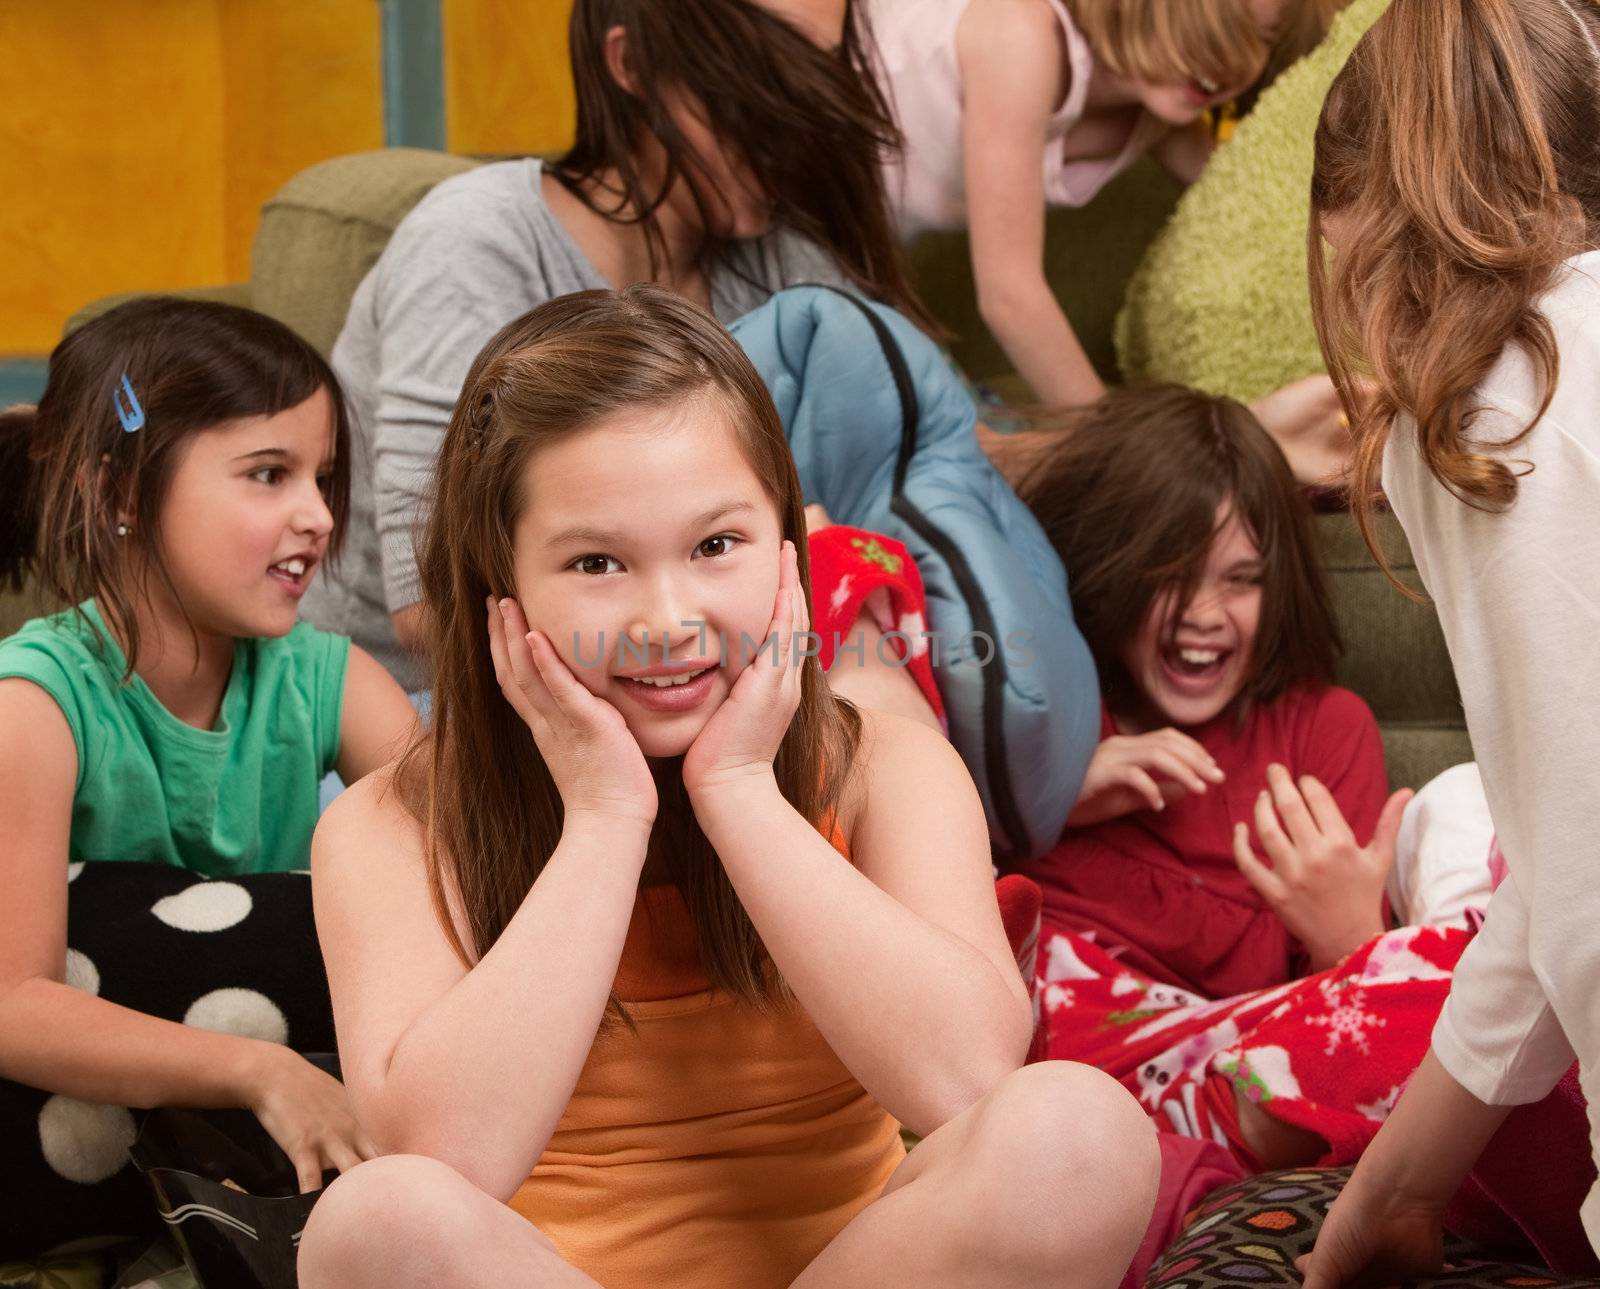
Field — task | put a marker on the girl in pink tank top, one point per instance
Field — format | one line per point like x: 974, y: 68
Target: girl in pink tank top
x: 1007, y: 106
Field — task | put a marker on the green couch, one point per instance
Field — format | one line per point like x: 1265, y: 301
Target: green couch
x: 325, y: 228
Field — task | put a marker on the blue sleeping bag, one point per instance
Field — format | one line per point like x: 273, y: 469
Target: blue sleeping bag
x: 882, y: 433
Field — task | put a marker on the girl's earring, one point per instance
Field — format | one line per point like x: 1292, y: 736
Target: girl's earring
x: 124, y: 529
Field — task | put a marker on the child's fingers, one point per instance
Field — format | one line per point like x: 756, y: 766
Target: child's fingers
x: 1385, y: 835
x: 1194, y: 753
x: 500, y: 652
x: 1267, y: 882
x: 341, y: 1155
x: 524, y: 675
x: 566, y: 691
x: 1175, y: 768
x: 497, y: 644
x: 1325, y: 810
x: 789, y: 616
x: 1280, y: 850
x: 802, y: 603
x: 1133, y: 777
x: 1317, y: 1272
x: 1291, y: 805
x: 307, y: 1169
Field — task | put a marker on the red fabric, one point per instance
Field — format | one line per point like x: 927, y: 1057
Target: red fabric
x: 1161, y: 890
x: 1019, y: 901
x: 1190, y: 1170
x: 1530, y: 1180
x: 848, y: 565
x: 1329, y: 1053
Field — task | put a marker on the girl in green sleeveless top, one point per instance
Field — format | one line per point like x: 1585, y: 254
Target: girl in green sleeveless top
x: 182, y: 478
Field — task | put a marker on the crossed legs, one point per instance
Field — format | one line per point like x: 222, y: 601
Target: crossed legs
x: 1049, y: 1180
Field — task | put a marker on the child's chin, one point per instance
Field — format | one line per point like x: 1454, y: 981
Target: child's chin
x: 1188, y: 712
x: 666, y: 740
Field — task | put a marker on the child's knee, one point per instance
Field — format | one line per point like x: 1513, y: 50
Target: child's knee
x: 1077, y: 1135
x: 1074, y: 1163
x: 394, y: 1202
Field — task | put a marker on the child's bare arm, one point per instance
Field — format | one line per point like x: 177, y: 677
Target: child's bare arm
x: 376, y: 718
x: 899, y: 958
x: 1388, y: 1224
x: 475, y: 1067
x: 1012, y: 77
x: 66, y: 1040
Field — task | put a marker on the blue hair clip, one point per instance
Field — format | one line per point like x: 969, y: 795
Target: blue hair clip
x: 130, y: 414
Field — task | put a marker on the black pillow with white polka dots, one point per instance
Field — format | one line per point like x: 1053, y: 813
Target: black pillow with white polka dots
x: 236, y: 955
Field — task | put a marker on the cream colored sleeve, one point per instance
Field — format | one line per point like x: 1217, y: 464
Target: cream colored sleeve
x: 1498, y: 1035
x: 1518, y: 593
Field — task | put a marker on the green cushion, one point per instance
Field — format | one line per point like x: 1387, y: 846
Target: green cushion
x: 1395, y: 655
x: 1220, y: 301
x: 327, y: 226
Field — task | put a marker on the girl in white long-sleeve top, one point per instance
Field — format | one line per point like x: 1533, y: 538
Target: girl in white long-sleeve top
x: 1458, y: 183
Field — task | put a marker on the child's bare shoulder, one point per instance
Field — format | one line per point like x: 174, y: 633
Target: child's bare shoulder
x: 366, y: 825
x: 901, y: 757
x: 1008, y: 29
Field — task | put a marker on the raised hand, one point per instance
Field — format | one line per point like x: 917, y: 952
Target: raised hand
x: 1130, y: 772
x: 742, y: 737
x: 1325, y: 887
x: 591, y: 754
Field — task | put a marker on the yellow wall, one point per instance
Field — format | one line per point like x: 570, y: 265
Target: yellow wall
x: 506, y: 81
x: 138, y: 138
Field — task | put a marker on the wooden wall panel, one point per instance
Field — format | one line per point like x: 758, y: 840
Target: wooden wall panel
x: 138, y: 139
x: 507, y: 85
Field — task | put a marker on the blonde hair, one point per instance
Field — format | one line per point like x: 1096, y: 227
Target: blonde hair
x: 490, y: 810
x: 1460, y: 150
x: 1166, y: 41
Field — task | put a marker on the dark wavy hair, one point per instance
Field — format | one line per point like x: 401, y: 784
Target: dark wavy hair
x: 71, y: 469
x: 1129, y: 498
x: 812, y: 123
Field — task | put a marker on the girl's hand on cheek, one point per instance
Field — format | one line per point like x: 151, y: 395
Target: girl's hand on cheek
x: 1130, y: 772
x: 1326, y: 889
x: 740, y: 741
x: 591, y: 754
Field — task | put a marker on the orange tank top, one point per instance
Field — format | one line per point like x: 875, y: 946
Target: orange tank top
x: 714, y: 1144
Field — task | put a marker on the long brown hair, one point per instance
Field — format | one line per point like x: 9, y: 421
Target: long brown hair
x: 813, y: 125
x: 1460, y: 151
x: 491, y: 812
x: 1129, y: 498
x: 86, y: 493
